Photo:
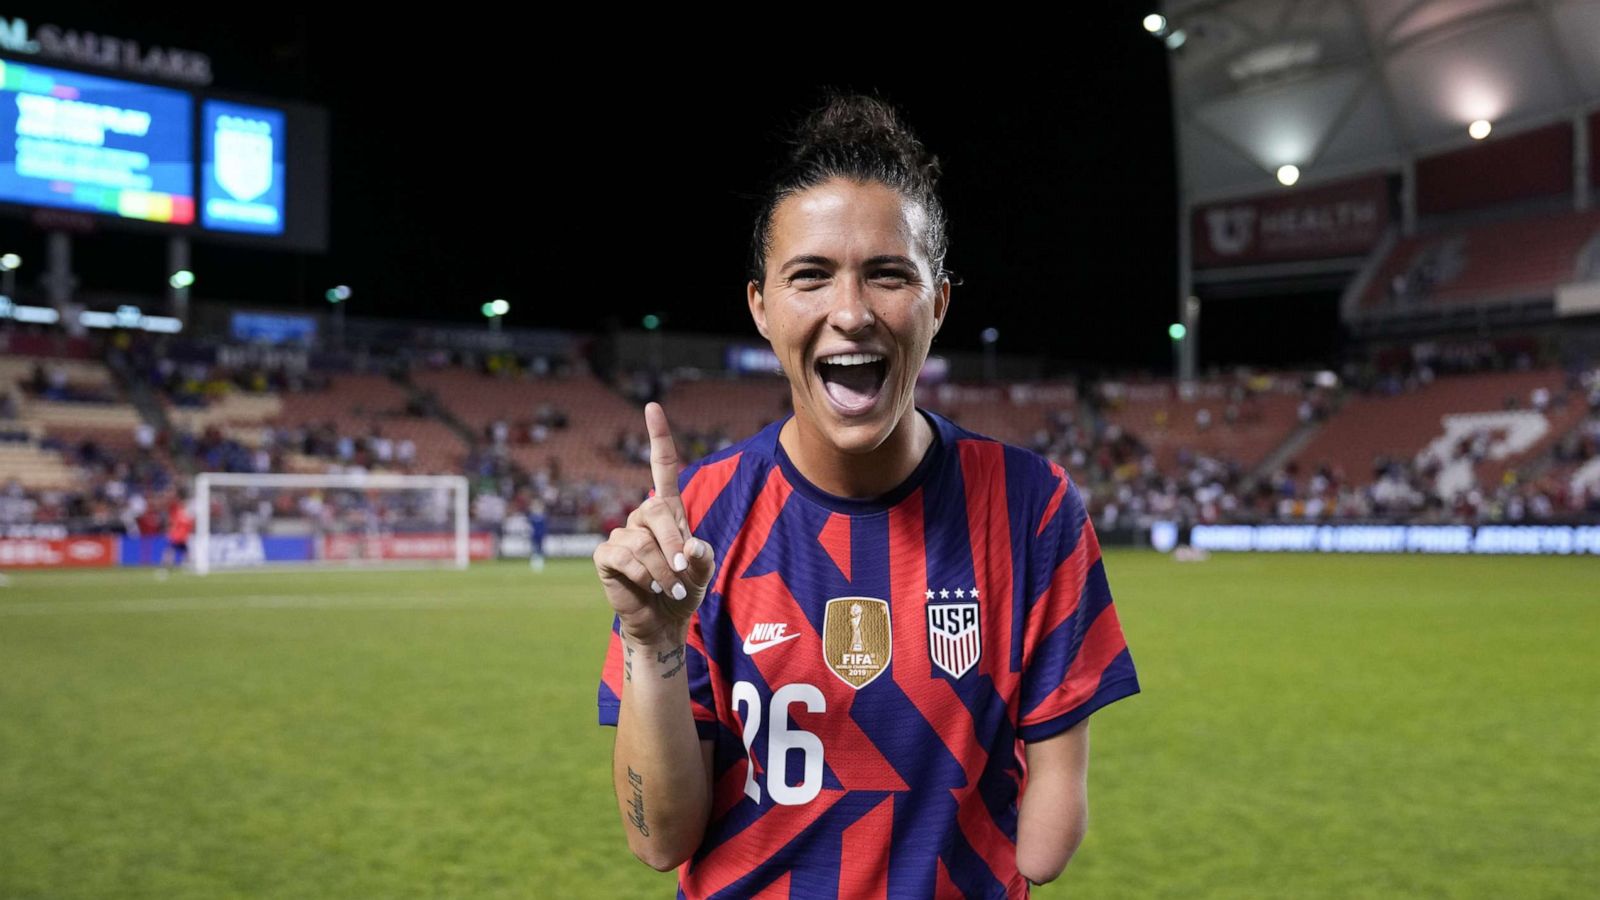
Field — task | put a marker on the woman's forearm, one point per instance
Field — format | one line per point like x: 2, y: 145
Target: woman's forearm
x: 658, y: 769
x: 1054, y: 813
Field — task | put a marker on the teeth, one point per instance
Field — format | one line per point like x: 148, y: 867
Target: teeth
x: 852, y: 359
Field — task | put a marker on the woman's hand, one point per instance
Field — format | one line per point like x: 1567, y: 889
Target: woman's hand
x: 655, y: 573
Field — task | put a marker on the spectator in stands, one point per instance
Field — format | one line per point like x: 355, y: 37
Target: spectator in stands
x: 16, y: 507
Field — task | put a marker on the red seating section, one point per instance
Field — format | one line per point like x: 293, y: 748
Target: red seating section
x: 1402, y: 425
x: 584, y: 450
x: 1502, y: 261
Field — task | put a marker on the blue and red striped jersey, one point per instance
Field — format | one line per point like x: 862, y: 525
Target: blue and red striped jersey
x: 869, y: 669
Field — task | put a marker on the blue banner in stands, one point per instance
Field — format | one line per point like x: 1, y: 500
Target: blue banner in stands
x: 268, y: 328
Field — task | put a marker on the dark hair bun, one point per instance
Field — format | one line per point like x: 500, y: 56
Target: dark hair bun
x: 864, y: 139
x: 866, y: 128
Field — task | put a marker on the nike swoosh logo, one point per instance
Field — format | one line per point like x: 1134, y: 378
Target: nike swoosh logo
x: 752, y: 649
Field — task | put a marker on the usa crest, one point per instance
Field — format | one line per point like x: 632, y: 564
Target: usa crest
x: 954, y: 639
x: 243, y: 158
x: 856, y: 641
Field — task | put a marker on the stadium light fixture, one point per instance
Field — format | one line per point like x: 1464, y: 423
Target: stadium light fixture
x: 652, y: 322
x: 1176, y: 39
x: 1480, y: 129
x: 990, y: 335
x: 1155, y: 23
x: 488, y: 310
x: 500, y: 307
x: 1177, y: 332
x: 181, y: 279
x: 9, y: 262
x: 1288, y: 175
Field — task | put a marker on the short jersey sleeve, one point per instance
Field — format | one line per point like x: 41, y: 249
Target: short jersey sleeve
x: 701, y: 702
x: 1074, y: 656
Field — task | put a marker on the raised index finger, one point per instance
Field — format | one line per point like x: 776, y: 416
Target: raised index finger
x: 663, y: 452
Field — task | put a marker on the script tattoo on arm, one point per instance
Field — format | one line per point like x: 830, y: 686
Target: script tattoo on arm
x: 675, y: 653
x: 627, y: 663
x: 637, y: 803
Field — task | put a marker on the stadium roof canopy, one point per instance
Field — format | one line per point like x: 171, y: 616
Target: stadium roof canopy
x: 1342, y: 87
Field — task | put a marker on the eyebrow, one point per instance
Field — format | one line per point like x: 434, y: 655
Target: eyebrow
x: 806, y: 259
x: 815, y: 260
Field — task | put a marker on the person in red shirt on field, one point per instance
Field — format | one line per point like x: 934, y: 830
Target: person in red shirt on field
x: 180, y: 524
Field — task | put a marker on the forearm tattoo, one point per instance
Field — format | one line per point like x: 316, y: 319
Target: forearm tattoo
x: 637, y: 803
x: 627, y: 663
x: 674, y: 653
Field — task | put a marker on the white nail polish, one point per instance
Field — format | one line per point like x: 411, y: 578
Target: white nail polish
x: 678, y: 593
x: 679, y: 563
x: 697, y: 548
x: 655, y: 586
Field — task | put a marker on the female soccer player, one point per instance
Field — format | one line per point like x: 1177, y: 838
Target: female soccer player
x: 854, y: 655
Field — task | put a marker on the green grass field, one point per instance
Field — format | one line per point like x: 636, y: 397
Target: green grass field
x: 1309, y: 727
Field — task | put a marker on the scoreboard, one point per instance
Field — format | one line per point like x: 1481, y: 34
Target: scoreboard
x: 206, y: 165
x: 92, y: 144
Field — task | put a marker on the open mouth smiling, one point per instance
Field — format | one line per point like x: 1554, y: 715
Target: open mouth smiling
x: 853, y: 382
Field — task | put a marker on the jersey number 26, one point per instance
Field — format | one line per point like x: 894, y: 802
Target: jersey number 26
x: 781, y: 739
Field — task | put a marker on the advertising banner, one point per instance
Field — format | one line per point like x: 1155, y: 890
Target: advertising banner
x: 1343, y: 219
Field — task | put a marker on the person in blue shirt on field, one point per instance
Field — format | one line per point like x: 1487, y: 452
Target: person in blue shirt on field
x: 537, y: 526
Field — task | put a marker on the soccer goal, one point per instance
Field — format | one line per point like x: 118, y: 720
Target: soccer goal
x: 250, y: 520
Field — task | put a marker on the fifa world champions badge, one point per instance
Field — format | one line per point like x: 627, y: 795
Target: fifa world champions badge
x: 856, y: 640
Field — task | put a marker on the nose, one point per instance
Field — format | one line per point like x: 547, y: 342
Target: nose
x: 850, y: 313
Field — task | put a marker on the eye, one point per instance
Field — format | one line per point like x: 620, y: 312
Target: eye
x: 808, y: 276
x: 899, y: 276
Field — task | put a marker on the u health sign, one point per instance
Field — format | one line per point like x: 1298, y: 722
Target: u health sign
x: 1343, y: 219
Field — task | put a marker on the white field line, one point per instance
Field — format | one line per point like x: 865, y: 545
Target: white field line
x: 246, y: 601
x: 135, y: 574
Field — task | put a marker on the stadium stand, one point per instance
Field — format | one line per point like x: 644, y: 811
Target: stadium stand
x: 1506, y: 260
x: 50, y: 406
x: 1244, y: 420
x: 1015, y: 413
x: 731, y: 407
x: 1524, y: 439
x: 1516, y: 168
x: 370, y: 405
x: 1401, y: 426
x: 495, y: 406
x: 35, y: 468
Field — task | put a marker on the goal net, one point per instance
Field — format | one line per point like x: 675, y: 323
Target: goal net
x: 248, y: 520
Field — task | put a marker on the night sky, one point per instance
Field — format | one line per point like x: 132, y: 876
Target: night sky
x: 469, y: 162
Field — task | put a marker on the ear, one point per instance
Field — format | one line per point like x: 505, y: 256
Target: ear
x: 941, y: 304
x: 758, y: 307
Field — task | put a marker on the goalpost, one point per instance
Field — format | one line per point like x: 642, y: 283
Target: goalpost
x: 247, y: 520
